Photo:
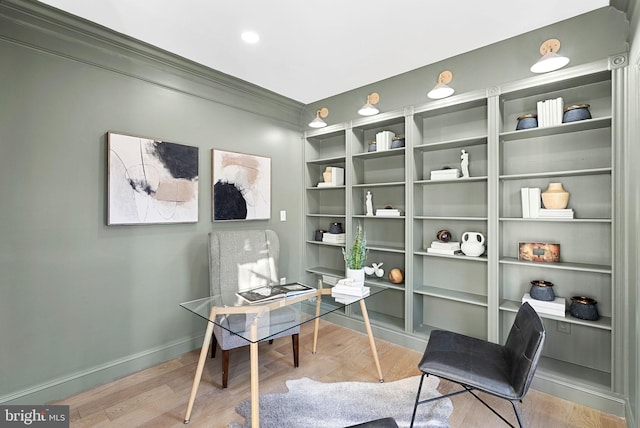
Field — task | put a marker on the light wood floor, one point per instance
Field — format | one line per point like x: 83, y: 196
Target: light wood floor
x: 157, y: 397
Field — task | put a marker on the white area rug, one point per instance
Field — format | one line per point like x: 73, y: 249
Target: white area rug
x: 336, y: 405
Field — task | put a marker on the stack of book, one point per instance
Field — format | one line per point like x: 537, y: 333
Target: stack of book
x: 445, y: 174
x: 334, y: 238
x: 531, y: 202
x: 347, y: 291
x: 547, y: 213
x: 446, y: 248
x: 388, y: 212
x: 555, y: 307
x: 550, y: 112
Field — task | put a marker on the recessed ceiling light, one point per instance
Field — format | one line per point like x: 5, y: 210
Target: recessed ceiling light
x: 250, y: 37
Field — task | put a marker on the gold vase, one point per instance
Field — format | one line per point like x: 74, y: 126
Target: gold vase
x: 555, y: 197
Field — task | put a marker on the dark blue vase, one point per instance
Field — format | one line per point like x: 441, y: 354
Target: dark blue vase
x: 336, y: 228
x: 584, y: 308
x: 542, y: 290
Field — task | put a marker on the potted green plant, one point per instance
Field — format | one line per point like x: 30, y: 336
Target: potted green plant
x: 357, y: 255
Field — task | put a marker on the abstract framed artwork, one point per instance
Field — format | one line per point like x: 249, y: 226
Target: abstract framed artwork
x: 240, y: 186
x: 151, y: 181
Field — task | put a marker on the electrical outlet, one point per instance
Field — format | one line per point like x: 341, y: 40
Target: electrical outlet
x: 564, y: 327
x: 283, y: 280
x: 283, y: 215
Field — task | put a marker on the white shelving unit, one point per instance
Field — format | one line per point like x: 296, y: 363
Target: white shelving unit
x: 479, y: 296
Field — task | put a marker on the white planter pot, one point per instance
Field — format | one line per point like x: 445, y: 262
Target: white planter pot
x: 355, y: 274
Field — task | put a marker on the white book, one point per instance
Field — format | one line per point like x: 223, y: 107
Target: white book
x: 334, y: 236
x: 535, y: 202
x: 452, y: 245
x: 349, y: 290
x: 451, y: 171
x: 540, y: 111
x: 559, y: 110
x: 547, y: 213
x: 524, y: 196
x: 556, y: 307
x: 444, y: 252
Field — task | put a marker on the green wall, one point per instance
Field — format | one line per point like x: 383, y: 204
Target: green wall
x: 81, y: 302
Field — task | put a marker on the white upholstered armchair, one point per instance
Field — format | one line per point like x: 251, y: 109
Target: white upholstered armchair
x: 240, y: 260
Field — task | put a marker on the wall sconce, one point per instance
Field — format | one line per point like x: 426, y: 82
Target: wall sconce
x: 369, y: 109
x: 550, y: 60
x: 318, y: 122
x: 441, y: 90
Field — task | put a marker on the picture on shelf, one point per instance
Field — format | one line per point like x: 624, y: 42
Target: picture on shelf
x: 151, y: 181
x: 538, y: 252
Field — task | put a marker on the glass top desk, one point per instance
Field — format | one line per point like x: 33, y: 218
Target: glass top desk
x: 211, y: 309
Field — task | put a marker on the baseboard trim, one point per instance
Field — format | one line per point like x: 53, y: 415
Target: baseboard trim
x: 65, y: 386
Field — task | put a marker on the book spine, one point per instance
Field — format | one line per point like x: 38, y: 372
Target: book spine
x: 534, y: 202
x: 524, y: 195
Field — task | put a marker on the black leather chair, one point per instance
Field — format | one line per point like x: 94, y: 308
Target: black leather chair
x: 503, y: 371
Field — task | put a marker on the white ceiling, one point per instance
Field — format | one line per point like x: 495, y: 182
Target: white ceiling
x: 311, y: 50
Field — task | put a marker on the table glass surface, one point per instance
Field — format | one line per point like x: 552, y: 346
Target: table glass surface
x: 236, y: 315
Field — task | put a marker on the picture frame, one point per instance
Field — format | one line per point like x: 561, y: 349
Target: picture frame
x: 538, y: 252
x: 150, y: 181
x: 240, y: 186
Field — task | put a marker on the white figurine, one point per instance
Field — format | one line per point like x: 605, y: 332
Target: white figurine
x: 464, y: 164
x: 369, y: 204
x: 377, y: 270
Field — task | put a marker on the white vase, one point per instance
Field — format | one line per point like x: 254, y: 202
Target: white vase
x: 356, y: 274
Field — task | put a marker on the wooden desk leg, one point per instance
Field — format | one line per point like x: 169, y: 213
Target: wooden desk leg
x: 372, y: 343
x: 255, y: 397
x: 196, y: 380
x: 316, y: 324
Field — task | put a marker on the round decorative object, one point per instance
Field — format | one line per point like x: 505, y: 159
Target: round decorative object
x: 472, y: 244
x: 373, y: 146
x: 576, y: 112
x: 443, y: 235
x: 555, y: 197
x: 584, y: 308
x: 542, y: 290
x: 396, y: 276
x: 397, y: 142
x: 336, y: 228
x: 527, y: 121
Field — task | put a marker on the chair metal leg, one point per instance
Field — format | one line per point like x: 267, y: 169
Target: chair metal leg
x: 515, y: 409
x: 415, y: 407
x: 295, y: 341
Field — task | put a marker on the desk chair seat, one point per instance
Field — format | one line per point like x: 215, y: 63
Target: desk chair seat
x: 503, y: 371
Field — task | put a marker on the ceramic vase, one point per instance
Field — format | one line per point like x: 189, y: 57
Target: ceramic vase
x: 555, y: 197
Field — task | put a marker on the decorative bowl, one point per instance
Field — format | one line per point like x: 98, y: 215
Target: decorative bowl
x: 397, y: 142
x: 576, y: 112
x: 542, y: 290
x: 584, y: 308
x: 527, y: 121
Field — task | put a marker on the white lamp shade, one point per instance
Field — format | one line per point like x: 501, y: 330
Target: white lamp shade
x: 439, y: 91
x: 317, y: 123
x: 368, y: 110
x: 549, y: 62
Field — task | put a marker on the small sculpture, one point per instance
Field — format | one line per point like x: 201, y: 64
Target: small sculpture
x: 464, y: 164
x: 369, y: 204
x: 374, y: 269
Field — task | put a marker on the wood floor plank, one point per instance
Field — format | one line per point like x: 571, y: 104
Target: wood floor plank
x: 157, y: 397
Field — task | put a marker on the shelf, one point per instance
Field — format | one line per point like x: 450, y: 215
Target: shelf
x: 326, y: 188
x: 554, y: 369
x: 458, y: 296
x: 382, y: 283
x: 562, y: 220
x: 440, y: 218
x: 328, y: 244
x: 391, y: 183
x: 386, y: 248
x: 326, y: 271
x: 603, y: 323
x: 568, y: 173
x: 582, y: 125
x: 458, y: 143
x: 400, y: 151
x: 332, y: 159
x: 457, y: 180
x: 583, y: 267
x: 459, y: 257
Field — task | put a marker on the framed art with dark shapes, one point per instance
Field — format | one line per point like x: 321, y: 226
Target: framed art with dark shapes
x: 150, y: 181
x: 240, y: 186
